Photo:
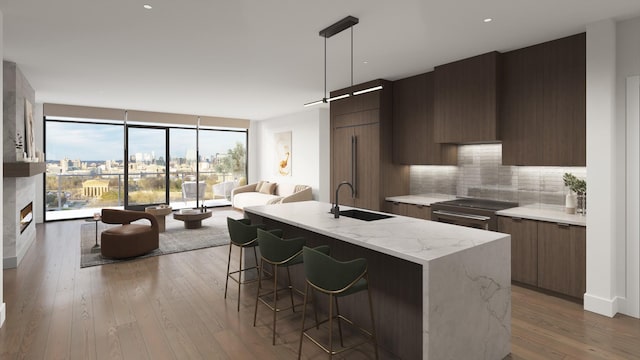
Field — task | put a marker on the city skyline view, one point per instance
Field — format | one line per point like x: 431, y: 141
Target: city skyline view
x: 101, y: 142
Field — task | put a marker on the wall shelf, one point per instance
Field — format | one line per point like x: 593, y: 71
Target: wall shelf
x: 23, y: 169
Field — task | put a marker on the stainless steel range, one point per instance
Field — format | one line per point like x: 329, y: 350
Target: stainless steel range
x: 472, y: 212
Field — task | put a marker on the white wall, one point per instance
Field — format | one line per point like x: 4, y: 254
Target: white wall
x: 38, y: 204
x: 309, y: 148
x: 3, y: 308
x: 613, y: 275
x: 627, y: 270
x: 601, y: 165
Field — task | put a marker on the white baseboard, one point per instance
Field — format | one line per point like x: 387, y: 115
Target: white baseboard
x: 602, y: 306
x: 3, y: 313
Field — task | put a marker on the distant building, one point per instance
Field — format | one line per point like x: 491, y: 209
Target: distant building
x: 95, y: 188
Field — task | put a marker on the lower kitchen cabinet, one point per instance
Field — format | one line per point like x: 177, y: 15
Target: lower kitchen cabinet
x: 419, y: 211
x: 550, y: 256
x: 562, y: 258
x: 524, y: 248
x: 397, y: 208
x: 411, y: 210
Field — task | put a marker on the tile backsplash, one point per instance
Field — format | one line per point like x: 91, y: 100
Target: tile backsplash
x: 480, y: 173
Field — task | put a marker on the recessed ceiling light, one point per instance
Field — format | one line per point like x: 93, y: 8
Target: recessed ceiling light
x: 147, y: 6
x: 488, y: 20
x: 365, y: 62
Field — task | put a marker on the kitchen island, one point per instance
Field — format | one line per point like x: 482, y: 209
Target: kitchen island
x: 440, y: 291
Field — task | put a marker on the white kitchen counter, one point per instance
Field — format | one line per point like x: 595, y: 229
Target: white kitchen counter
x: 545, y: 213
x: 421, y: 199
x: 466, y: 277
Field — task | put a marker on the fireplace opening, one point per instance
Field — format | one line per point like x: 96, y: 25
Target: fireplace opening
x: 26, y: 216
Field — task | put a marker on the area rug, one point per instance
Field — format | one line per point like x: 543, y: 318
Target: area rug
x: 175, y: 239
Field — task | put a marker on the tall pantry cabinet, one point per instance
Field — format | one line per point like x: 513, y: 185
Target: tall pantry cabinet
x: 361, y: 147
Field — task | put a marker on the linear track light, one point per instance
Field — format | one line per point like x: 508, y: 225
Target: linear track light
x: 318, y: 102
x: 338, y: 97
x: 379, y: 87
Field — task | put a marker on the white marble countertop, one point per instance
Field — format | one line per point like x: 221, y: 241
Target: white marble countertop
x: 542, y: 212
x: 421, y: 199
x: 415, y: 240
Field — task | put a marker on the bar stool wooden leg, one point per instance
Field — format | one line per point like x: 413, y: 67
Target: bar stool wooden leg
x: 275, y: 300
x: 338, y: 318
x: 373, y: 324
x: 293, y: 306
x: 239, y: 278
x: 261, y: 271
x: 304, y: 313
x: 226, y: 284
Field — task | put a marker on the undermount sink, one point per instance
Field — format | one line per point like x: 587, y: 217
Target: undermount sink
x: 364, y: 215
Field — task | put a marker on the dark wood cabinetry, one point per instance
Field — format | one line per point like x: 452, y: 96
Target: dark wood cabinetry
x: 543, y: 104
x: 413, y: 116
x: 550, y: 256
x: 412, y: 210
x: 361, y: 147
x: 562, y: 258
x: 466, y: 100
x: 524, y: 248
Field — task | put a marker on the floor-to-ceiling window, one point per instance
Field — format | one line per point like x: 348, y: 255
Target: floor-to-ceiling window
x: 87, y: 169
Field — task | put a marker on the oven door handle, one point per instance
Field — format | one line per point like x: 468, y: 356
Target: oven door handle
x: 463, y: 216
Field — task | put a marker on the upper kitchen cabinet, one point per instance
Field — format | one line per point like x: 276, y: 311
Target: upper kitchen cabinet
x: 466, y: 100
x: 361, y: 147
x: 543, y: 104
x: 413, y: 124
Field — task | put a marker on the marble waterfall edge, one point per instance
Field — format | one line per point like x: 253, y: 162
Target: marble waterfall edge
x: 475, y: 308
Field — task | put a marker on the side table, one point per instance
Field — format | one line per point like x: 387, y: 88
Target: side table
x: 95, y: 219
x: 159, y: 213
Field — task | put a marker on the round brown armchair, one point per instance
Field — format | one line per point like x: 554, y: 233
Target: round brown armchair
x: 129, y: 239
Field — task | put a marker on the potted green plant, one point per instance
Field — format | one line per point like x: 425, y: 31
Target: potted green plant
x: 576, y: 198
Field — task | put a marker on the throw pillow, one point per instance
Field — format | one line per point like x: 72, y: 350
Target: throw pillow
x: 268, y: 188
x: 259, y: 185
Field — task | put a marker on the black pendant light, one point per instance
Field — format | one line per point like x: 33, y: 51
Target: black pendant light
x: 346, y: 23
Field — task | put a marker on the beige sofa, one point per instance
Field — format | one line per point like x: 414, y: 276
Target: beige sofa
x: 264, y: 193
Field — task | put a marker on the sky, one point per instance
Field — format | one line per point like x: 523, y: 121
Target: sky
x: 105, y: 142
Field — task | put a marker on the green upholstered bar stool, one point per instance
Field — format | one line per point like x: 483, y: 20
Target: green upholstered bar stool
x: 243, y: 235
x: 278, y: 252
x: 336, y: 279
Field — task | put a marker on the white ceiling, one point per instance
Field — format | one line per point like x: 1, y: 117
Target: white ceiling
x: 259, y: 59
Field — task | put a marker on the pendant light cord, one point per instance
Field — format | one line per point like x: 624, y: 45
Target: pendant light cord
x: 325, y: 70
x: 352, y: 56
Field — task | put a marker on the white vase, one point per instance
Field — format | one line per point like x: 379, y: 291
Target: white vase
x: 570, y: 203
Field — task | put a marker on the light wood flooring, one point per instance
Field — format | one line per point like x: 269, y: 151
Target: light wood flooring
x: 172, y: 307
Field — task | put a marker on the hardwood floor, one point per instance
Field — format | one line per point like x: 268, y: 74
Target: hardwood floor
x: 172, y: 307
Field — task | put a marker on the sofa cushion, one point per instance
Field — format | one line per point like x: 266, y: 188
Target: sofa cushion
x: 251, y: 198
x: 285, y: 189
x: 267, y: 188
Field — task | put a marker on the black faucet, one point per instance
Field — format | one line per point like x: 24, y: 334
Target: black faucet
x: 335, y: 209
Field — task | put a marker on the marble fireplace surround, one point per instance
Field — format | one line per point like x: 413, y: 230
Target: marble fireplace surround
x: 18, y: 192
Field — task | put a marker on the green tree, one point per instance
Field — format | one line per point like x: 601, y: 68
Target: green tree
x: 235, y: 162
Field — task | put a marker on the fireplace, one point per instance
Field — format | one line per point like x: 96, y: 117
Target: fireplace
x: 26, y: 216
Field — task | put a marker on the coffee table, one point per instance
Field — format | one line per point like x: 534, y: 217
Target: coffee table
x: 192, y: 218
x: 159, y: 213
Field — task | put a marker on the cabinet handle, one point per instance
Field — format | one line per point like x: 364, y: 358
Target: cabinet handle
x: 420, y: 206
x: 516, y: 219
x: 354, y: 165
x: 563, y: 225
x: 396, y: 203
